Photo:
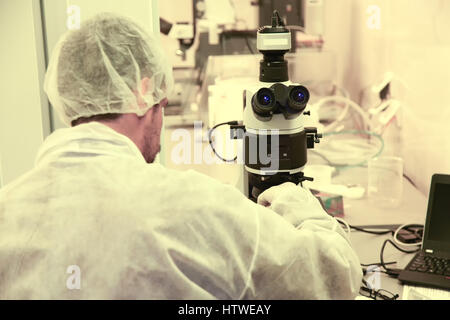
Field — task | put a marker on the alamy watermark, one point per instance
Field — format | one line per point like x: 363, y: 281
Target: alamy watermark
x: 374, y: 279
x: 374, y: 17
x: 73, y: 282
x: 262, y: 148
x: 73, y: 17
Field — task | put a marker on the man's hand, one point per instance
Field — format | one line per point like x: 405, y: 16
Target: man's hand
x: 293, y: 202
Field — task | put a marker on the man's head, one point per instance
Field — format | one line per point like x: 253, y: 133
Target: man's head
x: 112, y: 71
x: 144, y: 131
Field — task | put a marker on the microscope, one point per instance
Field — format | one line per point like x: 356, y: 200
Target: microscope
x: 275, y: 141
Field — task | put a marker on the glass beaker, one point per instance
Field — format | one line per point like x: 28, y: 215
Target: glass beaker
x: 385, y: 183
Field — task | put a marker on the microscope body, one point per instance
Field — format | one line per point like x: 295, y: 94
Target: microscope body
x: 275, y: 151
x: 275, y: 139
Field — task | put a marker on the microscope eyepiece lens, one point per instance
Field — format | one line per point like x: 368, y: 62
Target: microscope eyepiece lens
x: 263, y: 102
x: 298, y: 98
x: 265, y: 99
x: 265, y: 96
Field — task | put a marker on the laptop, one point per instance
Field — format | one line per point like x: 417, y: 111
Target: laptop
x: 431, y: 265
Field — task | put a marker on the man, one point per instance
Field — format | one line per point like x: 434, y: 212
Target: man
x: 98, y: 219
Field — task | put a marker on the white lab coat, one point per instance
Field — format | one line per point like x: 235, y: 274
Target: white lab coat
x: 92, y: 220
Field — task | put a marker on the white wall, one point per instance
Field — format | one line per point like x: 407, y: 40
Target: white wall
x: 21, y: 63
x: 420, y: 56
x: 362, y: 52
x: 413, y: 41
x: 139, y: 10
x: 1, y: 172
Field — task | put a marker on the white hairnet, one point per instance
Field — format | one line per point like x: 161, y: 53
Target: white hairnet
x: 98, y: 69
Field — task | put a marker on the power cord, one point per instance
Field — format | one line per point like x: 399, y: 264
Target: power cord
x: 376, y: 264
x: 362, y: 229
x: 415, y: 234
x: 230, y: 123
x: 338, y: 147
x: 391, y: 271
x: 383, y: 294
x: 415, y: 231
x: 347, y: 226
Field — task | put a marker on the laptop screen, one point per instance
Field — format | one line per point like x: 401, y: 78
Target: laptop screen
x: 439, y: 227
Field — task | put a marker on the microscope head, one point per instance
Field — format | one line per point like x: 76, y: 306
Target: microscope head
x: 273, y: 42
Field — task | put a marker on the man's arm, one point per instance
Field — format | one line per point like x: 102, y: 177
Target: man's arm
x: 304, y: 255
x: 236, y: 249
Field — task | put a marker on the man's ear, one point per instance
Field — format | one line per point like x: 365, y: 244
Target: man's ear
x: 144, y: 88
x: 164, y: 102
x: 145, y: 85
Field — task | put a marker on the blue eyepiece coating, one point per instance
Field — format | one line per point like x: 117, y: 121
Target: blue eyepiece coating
x: 265, y: 99
x: 299, y: 97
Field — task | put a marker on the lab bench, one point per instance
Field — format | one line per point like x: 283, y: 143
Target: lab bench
x: 362, y: 213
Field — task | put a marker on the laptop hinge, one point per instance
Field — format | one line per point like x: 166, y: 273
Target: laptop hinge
x: 428, y: 250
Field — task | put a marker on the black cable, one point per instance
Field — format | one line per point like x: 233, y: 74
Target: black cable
x: 413, y: 227
x: 398, y: 248
x: 376, y: 264
x: 410, y: 180
x: 368, y: 231
x: 392, y: 272
x: 365, y: 271
x: 416, y: 230
x: 211, y: 143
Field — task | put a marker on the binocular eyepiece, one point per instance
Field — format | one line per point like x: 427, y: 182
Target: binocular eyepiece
x: 288, y: 100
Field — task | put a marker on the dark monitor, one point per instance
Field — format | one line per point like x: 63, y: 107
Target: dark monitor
x: 437, y: 230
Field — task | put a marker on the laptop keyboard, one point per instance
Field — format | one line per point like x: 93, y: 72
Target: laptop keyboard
x: 430, y: 264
